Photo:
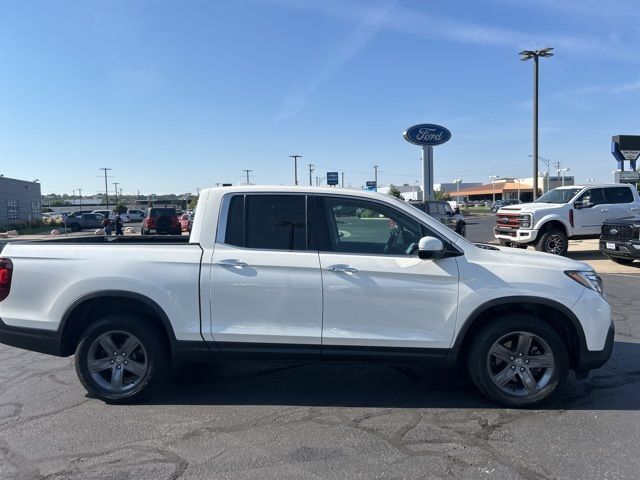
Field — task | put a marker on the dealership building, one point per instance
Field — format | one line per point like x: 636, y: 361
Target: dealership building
x: 19, y: 200
x: 511, y: 188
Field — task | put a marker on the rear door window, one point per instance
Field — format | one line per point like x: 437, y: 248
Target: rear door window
x: 268, y: 222
x: 618, y: 195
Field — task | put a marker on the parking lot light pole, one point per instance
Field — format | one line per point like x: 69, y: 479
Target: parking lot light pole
x: 457, y: 182
x: 106, y: 188
x: 493, y: 183
x: 528, y: 55
x: 295, y: 167
x: 563, y: 171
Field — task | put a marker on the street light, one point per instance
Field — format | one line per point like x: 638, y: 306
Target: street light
x: 493, y: 182
x: 295, y: 167
x: 547, y: 162
x: 528, y: 55
x: 563, y: 171
x: 590, y: 180
x: 457, y: 182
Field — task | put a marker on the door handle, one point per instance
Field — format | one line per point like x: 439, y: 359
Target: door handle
x: 635, y: 208
x: 604, y: 209
x: 231, y: 262
x: 342, y: 268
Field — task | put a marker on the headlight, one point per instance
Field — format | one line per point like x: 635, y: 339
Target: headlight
x: 525, y: 220
x: 588, y: 279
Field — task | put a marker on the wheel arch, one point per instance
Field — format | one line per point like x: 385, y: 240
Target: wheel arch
x: 553, y: 222
x: 92, y: 306
x: 554, y: 314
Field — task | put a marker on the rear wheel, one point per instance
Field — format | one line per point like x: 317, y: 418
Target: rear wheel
x: 518, y: 361
x: 553, y: 241
x: 75, y: 227
x: 121, y: 358
x: 621, y: 261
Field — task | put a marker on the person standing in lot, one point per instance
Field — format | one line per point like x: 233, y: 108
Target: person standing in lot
x: 106, y: 223
x: 118, y: 221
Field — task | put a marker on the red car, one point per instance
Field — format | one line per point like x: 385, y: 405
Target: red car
x: 185, y: 222
x: 161, y: 221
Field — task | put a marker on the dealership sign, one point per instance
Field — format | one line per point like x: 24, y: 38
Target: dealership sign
x: 427, y: 134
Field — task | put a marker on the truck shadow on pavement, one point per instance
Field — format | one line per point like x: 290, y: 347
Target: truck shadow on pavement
x: 616, y: 386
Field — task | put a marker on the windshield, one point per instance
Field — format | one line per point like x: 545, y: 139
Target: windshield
x: 558, y: 195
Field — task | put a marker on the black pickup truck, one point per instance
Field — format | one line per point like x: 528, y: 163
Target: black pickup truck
x: 441, y: 210
x: 620, y: 239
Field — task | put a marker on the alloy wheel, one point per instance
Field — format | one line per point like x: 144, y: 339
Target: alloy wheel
x: 555, y: 244
x: 521, y: 363
x: 117, y: 361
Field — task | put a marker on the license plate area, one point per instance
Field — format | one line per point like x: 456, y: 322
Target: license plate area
x: 610, y: 246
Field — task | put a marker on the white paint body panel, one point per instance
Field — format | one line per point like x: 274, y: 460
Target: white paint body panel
x: 393, y: 301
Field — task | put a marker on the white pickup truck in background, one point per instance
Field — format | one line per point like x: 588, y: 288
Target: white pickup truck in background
x: 563, y: 214
x: 304, y: 274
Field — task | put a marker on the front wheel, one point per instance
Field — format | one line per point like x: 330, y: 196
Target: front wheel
x: 121, y: 358
x: 518, y: 361
x: 553, y: 241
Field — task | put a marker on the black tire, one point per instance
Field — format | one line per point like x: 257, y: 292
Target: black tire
x: 462, y: 229
x: 621, y: 261
x: 143, y: 231
x: 553, y: 241
x: 150, y: 358
x: 505, y: 243
x: 484, y: 366
x: 75, y: 227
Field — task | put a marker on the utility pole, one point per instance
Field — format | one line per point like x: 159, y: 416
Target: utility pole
x: 247, y: 172
x: 80, y: 195
x: 116, y: 190
x: 375, y: 175
x: 73, y: 200
x: 342, y: 184
x: 310, y: 172
x: 493, y: 182
x: 295, y: 167
x: 106, y: 188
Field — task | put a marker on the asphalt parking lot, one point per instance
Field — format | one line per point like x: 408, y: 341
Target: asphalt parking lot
x: 295, y: 421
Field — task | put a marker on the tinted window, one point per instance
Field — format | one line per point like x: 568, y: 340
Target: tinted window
x: 595, y: 196
x: 270, y: 222
x: 235, y: 222
x: 355, y: 226
x: 619, y: 195
x: 159, y: 212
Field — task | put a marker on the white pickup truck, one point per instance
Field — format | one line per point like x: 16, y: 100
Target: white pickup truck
x: 304, y: 274
x: 564, y: 213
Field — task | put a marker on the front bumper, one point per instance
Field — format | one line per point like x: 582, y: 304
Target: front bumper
x: 515, y: 235
x: 34, y: 339
x: 592, y: 359
x: 629, y: 249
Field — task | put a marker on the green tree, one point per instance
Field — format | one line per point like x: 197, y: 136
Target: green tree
x: 394, y: 192
x: 120, y: 208
x: 440, y: 195
x: 193, y: 202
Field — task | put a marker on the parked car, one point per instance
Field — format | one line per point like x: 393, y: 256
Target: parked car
x: 185, y: 222
x: 620, y: 240
x: 161, y: 221
x: 84, y: 220
x: 136, y: 215
x: 77, y: 213
x: 263, y: 276
x: 565, y: 213
x: 441, y: 210
x: 498, y: 204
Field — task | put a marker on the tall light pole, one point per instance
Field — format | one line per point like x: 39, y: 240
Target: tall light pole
x: 80, y: 195
x: 457, y: 182
x: 547, y: 162
x: 493, y: 182
x: 106, y: 188
x: 295, y: 167
x: 247, y: 172
x: 311, y: 174
x: 375, y: 175
x: 528, y: 55
x: 116, y: 190
x: 563, y: 171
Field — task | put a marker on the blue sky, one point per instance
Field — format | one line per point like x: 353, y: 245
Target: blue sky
x: 175, y: 96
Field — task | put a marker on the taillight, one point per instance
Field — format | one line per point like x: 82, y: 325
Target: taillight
x: 6, y: 271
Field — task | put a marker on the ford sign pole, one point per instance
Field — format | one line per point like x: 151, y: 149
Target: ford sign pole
x: 427, y: 135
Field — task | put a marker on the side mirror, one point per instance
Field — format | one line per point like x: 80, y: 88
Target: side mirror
x: 429, y: 248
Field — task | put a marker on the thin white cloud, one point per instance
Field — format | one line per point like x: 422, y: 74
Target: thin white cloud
x: 369, y: 25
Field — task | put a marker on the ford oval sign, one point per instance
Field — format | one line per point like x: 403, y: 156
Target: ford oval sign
x: 427, y: 134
